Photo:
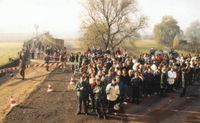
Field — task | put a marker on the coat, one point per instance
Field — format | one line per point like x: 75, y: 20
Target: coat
x: 99, y: 92
x: 83, y: 94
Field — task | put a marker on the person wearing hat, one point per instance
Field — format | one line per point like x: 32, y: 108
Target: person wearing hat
x: 100, y: 99
x: 82, y: 88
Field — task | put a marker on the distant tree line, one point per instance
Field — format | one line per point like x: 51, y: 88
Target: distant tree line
x: 109, y: 23
x: 169, y: 33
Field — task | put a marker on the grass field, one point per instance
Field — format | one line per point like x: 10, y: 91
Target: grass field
x: 143, y: 46
x: 9, y: 50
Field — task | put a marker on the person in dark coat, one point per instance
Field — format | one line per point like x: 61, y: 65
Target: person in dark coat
x: 148, y: 78
x: 184, y: 81
x: 82, y: 89
x: 121, y: 89
x: 156, y: 81
x: 163, y: 81
x: 129, y: 87
x: 100, y: 99
x: 92, y: 84
x: 126, y: 80
x: 22, y: 66
x: 136, y: 82
x: 47, y: 58
x: 72, y: 59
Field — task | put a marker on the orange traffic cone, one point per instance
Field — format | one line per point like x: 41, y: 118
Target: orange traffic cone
x: 12, y: 102
x: 72, y: 81
x: 49, y: 89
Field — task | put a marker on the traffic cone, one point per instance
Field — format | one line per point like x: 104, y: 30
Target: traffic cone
x: 12, y: 102
x: 72, y: 81
x: 49, y: 89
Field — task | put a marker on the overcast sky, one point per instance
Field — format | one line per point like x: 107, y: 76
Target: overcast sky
x: 62, y: 17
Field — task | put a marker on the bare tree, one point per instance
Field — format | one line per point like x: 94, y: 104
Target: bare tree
x: 112, y: 21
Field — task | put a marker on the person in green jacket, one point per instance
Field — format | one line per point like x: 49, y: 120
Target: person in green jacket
x: 184, y: 81
x: 100, y: 99
x: 163, y: 81
x: 82, y: 88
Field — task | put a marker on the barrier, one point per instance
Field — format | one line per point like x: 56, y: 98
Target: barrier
x: 58, y: 64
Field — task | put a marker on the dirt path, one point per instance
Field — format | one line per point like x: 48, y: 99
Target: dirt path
x: 59, y: 106
x: 19, y: 89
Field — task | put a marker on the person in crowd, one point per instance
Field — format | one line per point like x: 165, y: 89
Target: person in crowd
x: 163, y: 81
x: 128, y: 78
x: 184, y: 81
x: 72, y: 59
x: 113, y: 92
x: 125, y: 79
x: 22, y: 64
x: 64, y: 60
x: 100, y: 99
x: 92, y: 83
x: 47, y: 59
x: 121, y: 88
x: 171, y: 79
x: 82, y: 89
x: 136, y: 82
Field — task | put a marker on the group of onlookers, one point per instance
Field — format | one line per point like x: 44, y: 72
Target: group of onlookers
x: 110, y: 78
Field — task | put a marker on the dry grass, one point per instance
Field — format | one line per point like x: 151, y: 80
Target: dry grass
x: 19, y: 89
x: 9, y: 50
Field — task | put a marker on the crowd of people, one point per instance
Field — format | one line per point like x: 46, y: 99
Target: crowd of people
x: 37, y: 50
x: 110, y: 78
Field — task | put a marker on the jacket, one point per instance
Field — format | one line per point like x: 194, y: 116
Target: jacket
x: 82, y: 93
x: 99, y: 92
x: 171, y: 77
x: 112, y: 92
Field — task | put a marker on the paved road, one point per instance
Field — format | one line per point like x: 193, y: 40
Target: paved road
x: 59, y: 106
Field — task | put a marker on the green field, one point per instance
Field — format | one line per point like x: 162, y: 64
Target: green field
x: 9, y: 50
x: 143, y: 46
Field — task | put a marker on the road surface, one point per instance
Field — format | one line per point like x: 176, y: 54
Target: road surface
x: 59, y: 106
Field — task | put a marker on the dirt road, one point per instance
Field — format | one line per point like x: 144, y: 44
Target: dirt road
x: 59, y: 106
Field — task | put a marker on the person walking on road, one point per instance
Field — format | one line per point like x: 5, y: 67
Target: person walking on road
x: 22, y: 66
x: 47, y: 58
